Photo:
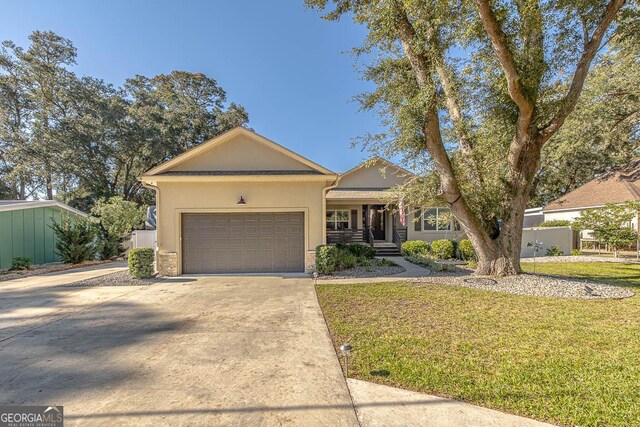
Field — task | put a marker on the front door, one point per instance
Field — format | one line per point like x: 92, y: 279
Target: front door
x: 374, y: 219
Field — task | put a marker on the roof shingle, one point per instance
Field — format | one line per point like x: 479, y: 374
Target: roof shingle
x: 617, y: 186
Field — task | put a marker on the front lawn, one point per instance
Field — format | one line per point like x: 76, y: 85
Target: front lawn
x: 627, y: 275
x: 565, y: 361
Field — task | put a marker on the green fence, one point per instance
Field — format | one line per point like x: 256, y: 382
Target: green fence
x: 28, y: 233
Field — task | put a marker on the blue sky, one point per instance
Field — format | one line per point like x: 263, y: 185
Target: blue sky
x: 290, y: 69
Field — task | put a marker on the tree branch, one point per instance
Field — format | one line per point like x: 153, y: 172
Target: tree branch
x: 422, y: 67
x: 505, y: 57
x: 591, y: 48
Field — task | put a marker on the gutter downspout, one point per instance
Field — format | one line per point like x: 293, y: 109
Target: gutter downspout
x: 157, y: 191
x: 324, y: 206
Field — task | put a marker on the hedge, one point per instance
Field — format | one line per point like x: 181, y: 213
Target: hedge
x: 415, y: 247
x: 326, y: 259
x: 141, y: 263
x: 442, y: 249
x: 467, y: 251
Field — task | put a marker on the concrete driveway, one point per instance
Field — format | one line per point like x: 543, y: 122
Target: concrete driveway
x: 199, y: 351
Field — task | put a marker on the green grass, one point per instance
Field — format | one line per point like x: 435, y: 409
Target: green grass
x: 627, y: 275
x: 565, y: 361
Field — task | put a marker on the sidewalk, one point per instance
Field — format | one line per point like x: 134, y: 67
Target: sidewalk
x: 384, y: 406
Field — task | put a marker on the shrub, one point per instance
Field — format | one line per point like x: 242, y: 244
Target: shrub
x: 442, y: 249
x: 554, y: 251
x: 20, y: 263
x: 141, y: 263
x: 360, y: 250
x: 326, y: 259
x: 555, y: 223
x: 427, y: 262
x: 416, y: 247
x: 467, y: 250
x: 576, y: 252
x: 345, y: 259
x: 456, y: 253
x: 109, y: 245
x: 385, y: 263
x: 364, y: 262
x: 75, y: 241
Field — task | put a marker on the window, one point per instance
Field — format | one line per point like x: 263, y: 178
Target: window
x: 438, y: 219
x: 337, y: 220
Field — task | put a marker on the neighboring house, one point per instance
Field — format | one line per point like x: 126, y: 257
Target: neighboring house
x: 533, y: 217
x: 242, y: 203
x: 617, y: 186
x: 25, y: 229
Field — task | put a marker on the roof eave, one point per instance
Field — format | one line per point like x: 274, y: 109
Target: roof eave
x: 237, y: 178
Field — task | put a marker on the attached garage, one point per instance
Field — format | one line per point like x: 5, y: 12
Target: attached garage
x: 239, y: 203
x: 251, y: 242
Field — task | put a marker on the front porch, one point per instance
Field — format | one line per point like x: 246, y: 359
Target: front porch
x: 373, y: 223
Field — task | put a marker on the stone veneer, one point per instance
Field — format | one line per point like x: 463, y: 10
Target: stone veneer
x: 310, y: 262
x: 167, y: 263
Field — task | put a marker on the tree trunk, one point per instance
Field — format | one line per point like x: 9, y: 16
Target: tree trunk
x: 500, y: 255
x: 49, y: 183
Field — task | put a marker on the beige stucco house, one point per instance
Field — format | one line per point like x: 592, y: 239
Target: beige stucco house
x: 243, y: 203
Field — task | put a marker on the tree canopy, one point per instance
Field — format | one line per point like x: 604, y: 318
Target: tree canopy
x: 470, y: 91
x: 81, y: 139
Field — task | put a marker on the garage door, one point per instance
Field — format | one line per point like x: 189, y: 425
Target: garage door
x: 243, y: 242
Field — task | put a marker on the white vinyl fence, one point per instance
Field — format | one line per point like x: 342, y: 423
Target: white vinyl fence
x: 143, y: 239
x: 548, y: 237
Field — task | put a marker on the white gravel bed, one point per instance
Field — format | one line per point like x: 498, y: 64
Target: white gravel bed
x: 530, y: 284
x: 357, y: 272
x: 121, y: 278
x: 580, y: 258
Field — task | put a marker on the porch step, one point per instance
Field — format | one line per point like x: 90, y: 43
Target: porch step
x: 387, y: 252
x: 384, y: 244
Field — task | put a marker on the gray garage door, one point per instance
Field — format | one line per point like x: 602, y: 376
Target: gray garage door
x: 243, y: 242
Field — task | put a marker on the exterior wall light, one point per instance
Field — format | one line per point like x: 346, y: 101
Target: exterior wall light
x: 346, y: 352
x: 241, y: 201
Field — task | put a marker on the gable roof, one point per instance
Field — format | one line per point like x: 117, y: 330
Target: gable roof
x: 227, y: 136
x: 376, y: 159
x: 617, y: 186
x: 16, y: 205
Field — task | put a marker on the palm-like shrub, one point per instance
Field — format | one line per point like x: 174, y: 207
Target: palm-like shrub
x: 76, y: 241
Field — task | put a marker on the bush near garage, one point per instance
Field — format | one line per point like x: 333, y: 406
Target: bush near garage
x: 442, y: 249
x: 141, y: 263
x: 326, y: 259
x: 416, y: 247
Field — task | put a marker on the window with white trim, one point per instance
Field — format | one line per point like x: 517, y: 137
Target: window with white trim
x: 437, y: 219
x: 338, y: 219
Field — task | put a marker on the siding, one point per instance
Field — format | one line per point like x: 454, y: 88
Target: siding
x: 28, y: 233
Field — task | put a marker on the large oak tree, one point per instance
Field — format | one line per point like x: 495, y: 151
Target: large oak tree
x: 477, y: 88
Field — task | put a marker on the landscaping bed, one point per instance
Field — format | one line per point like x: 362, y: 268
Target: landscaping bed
x: 529, y: 284
x: 45, y: 268
x: 373, y: 270
x: 121, y: 278
x: 561, y: 360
